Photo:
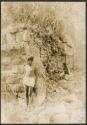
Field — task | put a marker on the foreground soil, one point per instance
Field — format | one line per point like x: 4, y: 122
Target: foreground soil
x: 65, y: 104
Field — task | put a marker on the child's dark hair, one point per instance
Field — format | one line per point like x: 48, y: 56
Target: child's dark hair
x: 30, y: 58
x: 64, y: 64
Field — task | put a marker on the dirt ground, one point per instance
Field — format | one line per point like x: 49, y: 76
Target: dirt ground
x: 66, y: 104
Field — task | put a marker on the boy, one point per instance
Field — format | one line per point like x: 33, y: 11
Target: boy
x: 29, y: 79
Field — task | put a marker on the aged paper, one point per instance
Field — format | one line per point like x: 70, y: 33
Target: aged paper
x: 47, y: 39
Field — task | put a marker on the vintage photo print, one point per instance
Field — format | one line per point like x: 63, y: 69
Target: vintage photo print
x: 43, y: 62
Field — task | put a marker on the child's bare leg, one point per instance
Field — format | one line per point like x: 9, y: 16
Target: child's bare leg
x: 29, y: 96
x: 27, y: 99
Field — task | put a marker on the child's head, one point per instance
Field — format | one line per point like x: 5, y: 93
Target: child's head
x: 30, y: 60
x: 64, y: 64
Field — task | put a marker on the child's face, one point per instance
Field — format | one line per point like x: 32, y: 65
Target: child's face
x: 30, y: 62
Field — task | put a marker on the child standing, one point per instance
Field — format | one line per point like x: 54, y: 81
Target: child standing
x: 29, y: 79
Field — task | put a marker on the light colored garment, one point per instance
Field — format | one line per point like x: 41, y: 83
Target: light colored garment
x: 29, y: 76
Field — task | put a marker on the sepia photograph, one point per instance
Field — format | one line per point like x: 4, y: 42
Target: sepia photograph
x: 43, y: 62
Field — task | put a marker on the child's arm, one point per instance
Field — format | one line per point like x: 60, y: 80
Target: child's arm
x: 36, y: 77
x: 36, y: 73
x: 24, y: 70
